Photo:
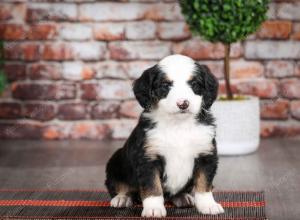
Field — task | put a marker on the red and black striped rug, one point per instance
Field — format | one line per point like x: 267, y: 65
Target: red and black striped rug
x: 94, y: 204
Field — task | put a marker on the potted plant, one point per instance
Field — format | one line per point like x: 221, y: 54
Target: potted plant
x: 2, y: 76
x: 229, y: 21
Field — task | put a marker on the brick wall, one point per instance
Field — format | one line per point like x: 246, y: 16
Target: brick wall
x: 71, y: 64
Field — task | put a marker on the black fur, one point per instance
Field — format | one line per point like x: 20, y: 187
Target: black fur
x: 205, y: 83
x: 130, y: 165
x: 151, y: 87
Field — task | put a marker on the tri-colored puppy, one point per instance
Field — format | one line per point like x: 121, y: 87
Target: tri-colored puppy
x: 171, y: 153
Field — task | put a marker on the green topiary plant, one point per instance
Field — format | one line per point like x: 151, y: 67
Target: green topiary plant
x: 225, y: 21
x: 2, y: 75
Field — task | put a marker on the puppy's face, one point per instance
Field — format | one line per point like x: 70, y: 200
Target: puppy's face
x: 176, y: 85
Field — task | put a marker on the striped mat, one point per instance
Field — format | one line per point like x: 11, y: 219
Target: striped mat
x: 94, y: 204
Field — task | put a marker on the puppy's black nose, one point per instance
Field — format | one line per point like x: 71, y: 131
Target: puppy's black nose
x: 183, y: 104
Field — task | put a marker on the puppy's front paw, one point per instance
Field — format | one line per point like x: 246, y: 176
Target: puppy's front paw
x: 211, y: 209
x: 120, y: 201
x: 206, y: 204
x: 154, y: 207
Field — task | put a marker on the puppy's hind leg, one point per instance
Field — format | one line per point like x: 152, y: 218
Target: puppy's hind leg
x: 123, y: 198
x: 183, y: 200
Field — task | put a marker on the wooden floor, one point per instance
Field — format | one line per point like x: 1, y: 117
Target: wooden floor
x: 80, y: 164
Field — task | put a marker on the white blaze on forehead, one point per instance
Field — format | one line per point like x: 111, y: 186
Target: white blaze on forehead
x: 177, y: 67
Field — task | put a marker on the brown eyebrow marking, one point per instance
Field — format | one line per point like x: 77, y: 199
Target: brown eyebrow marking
x: 191, y: 77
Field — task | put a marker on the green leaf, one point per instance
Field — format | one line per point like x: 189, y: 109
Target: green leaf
x: 211, y: 19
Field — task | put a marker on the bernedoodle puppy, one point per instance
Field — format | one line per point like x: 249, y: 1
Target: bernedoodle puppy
x: 171, y: 154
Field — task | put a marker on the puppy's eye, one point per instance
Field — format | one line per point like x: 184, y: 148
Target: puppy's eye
x: 196, y: 87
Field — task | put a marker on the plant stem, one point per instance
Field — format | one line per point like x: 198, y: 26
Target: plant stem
x: 226, y: 71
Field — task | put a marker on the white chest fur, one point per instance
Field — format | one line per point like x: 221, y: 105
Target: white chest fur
x: 179, y: 142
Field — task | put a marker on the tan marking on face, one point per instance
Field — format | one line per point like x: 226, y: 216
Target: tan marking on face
x: 154, y: 190
x: 191, y: 77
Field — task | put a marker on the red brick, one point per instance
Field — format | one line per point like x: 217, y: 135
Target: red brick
x: 12, y: 32
x: 76, y: 32
x: 115, y: 89
x: 20, y: 130
x: 135, y: 68
x: 271, y: 14
x: 65, y: 91
x: 76, y: 130
x: 272, y: 50
x: 141, y: 30
x: 107, y: 89
x: 111, y: 70
x: 13, y: 12
x: 279, y: 69
x: 6, y: 93
x: 290, y: 88
x: 121, y: 128
x: 42, y: 31
x: 90, y: 130
x: 57, y: 51
x: 87, y: 72
x: 31, y: 51
x: 138, y: 50
x: 246, y: 69
x: 296, y: 31
x: 39, y: 111
x: 43, y: 91
x: 107, y: 11
x: 288, y: 11
x: 260, y: 88
x: 274, y: 109
x: 173, y: 31
x: 38, y: 71
x: 105, y: 110
x: 198, y: 49
x: 280, y: 129
x: 89, y: 51
x: 161, y: 12
x: 51, y: 11
x: 72, y: 111
x: 77, y: 71
x: 109, y: 31
x: 56, y: 131
x: 13, y: 51
x: 275, y: 30
x: 111, y: 11
x: 89, y: 91
x: 295, y: 109
x: 33, y: 91
x: 15, y: 71
x: 10, y: 110
x: 216, y: 67
x: 5, y: 12
x: 22, y: 51
x: 222, y: 89
x: 130, y: 109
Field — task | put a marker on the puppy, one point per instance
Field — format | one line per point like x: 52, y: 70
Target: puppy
x: 171, y: 153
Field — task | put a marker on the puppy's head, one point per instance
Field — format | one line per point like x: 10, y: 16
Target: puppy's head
x: 176, y: 85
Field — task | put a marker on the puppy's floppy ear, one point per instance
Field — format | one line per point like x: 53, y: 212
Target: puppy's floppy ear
x: 211, y: 85
x: 142, y: 87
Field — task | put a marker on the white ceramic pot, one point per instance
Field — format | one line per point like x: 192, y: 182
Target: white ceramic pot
x: 238, y: 126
